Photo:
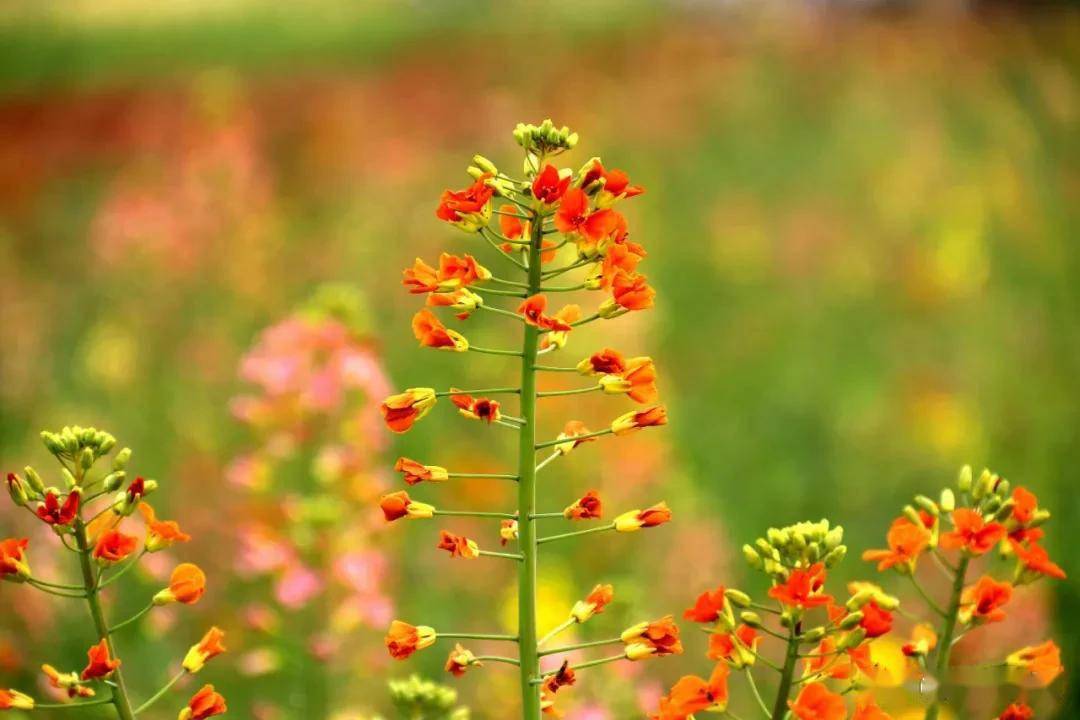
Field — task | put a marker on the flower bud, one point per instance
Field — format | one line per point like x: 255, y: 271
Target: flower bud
x: 1041, y: 515
x: 834, y: 537
x: 813, y: 635
x: 851, y: 620
x: 984, y: 485
x: 639, y: 651
x: 1002, y: 488
x: 948, y: 500
x: 69, y: 479
x: 17, y: 489
x: 928, y: 505
x: 850, y: 639
x: 485, y: 165
x: 121, y: 459
x: 752, y: 557
x: 52, y: 443
x: 106, y: 442
x: 34, y: 480
x: 738, y: 598
x: 114, y: 480
x: 963, y: 480
x: 751, y: 618
x: 609, y: 309
x: 912, y: 514
x: 86, y: 458
x: 1005, y: 510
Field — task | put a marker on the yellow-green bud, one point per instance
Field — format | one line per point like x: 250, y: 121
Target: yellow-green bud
x: 1041, y: 515
x: 1005, y: 510
x: 835, y: 556
x: 52, y: 443
x: 1002, y: 488
x: 764, y: 547
x: 963, y: 480
x: 17, y: 489
x: 34, y: 480
x: 737, y: 598
x: 948, y: 500
x: 69, y: 479
x: 813, y: 635
x: 751, y: 618
x: 752, y: 558
x: 121, y: 459
x: 850, y: 639
x: 484, y: 164
x: 912, y: 514
x: 113, y: 480
x: 928, y: 505
x: 851, y: 620
x: 834, y: 537
x: 86, y: 458
x: 106, y: 442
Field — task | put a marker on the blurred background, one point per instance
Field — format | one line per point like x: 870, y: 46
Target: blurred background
x: 862, y: 225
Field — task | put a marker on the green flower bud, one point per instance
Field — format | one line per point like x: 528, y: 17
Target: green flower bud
x: 86, y: 458
x: 17, y: 489
x: 764, y: 547
x: 851, y: 620
x: 850, y: 639
x: 34, y: 480
x: 1002, y: 488
x: 1005, y: 510
x: 751, y: 618
x: 948, y: 500
x: 813, y: 635
x: 928, y: 505
x: 834, y: 537
x: 52, y: 443
x: 121, y: 459
x: 833, y: 558
x: 737, y: 598
x: 1041, y: 515
x: 114, y: 480
x: 69, y: 479
x: 485, y: 165
x: 912, y: 514
x: 752, y: 558
x: 963, y: 480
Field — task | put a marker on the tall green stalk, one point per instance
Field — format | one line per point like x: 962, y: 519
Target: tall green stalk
x: 941, y: 666
x: 119, y: 690
x: 527, y: 645
x: 780, y: 709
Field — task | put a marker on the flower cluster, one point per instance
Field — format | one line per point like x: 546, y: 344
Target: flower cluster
x: 89, y: 513
x: 958, y: 533
x: 547, y: 223
x: 825, y: 640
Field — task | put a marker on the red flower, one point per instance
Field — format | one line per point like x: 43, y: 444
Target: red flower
x: 432, y: 333
x: 13, y: 558
x: 817, y: 702
x: 469, y: 209
x: 209, y: 647
x: 616, y: 182
x: 593, y: 604
x: 588, y: 507
x: 605, y: 362
x: 1025, y: 505
x: 113, y: 546
x: 136, y: 489
x: 160, y: 534
x: 460, y: 271
x: 803, y: 588
x: 458, y: 545
x: 397, y: 505
x: 638, y: 381
x: 982, y: 602
x: 511, y: 225
x: 866, y: 708
x: 972, y: 533
x: 187, y: 585
x: 52, y: 512
x: 723, y: 646
x: 573, y: 216
x: 99, y: 664
x: 630, y: 291
x: 549, y: 186
x: 532, y: 310
x: 707, y: 607
x: 876, y: 621
x: 1034, y: 558
x: 205, y: 703
x: 1017, y: 711
x: 479, y: 408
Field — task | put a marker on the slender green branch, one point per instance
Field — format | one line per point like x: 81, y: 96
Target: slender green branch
x: 482, y: 391
x: 492, y: 351
x: 546, y: 461
x: 754, y: 690
x: 476, y: 514
x: 491, y: 241
x: 564, y: 536
x: 132, y: 619
x: 496, y: 291
x: 586, y: 320
x: 580, y: 646
x: 57, y: 586
x: 538, y: 516
x: 553, y: 368
x: 72, y: 706
x: 592, y: 663
x: 576, y: 391
x: 122, y: 571
x: 476, y: 636
x: 498, y: 658
x: 160, y: 693
x: 56, y: 593
x: 944, y: 648
x: 556, y: 630
x: 493, y: 476
x: 563, y: 288
x: 501, y: 311
x: 585, y: 436
x: 508, y: 556
x: 926, y: 596
x: 511, y: 283
x: 554, y: 272
x: 786, y: 675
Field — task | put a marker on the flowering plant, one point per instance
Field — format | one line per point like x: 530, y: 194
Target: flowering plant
x: 87, y: 513
x: 579, y: 209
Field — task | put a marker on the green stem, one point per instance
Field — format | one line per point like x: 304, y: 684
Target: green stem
x: 780, y: 707
x: 496, y: 291
x: 120, y: 573
x: 549, y: 459
x: 581, y: 646
x: 527, y: 541
x: 132, y: 619
x: 481, y: 391
x: 477, y: 514
x: 161, y: 693
x: 575, y: 391
x: 475, y: 636
x: 119, y: 690
x: 564, y: 536
x: 756, y: 692
x: 497, y: 658
x: 493, y: 476
x: 556, y: 630
x: 492, y: 351
x: 508, y: 556
x: 557, y: 441
x: 941, y: 666
x: 71, y: 706
x: 593, y: 663
x: 554, y: 368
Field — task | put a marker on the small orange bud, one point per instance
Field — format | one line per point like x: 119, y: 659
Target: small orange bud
x: 649, y: 517
x: 205, y: 703
x: 209, y: 647
x: 403, y: 639
x: 187, y: 585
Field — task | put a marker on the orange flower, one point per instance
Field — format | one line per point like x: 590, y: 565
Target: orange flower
x: 532, y: 310
x: 567, y: 316
x: 629, y: 291
x: 738, y: 647
x: 827, y: 661
x: 982, y: 602
x: 1035, y: 559
x: 209, y: 647
x: 458, y: 545
x: 457, y: 271
x: 638, y: 381
x: 637, y: 419
x: 593, y: 604
x: 866, y: 708
x: 160, y: 534
x: 415, y: 472
x: 817, y: 702
x: 803, y: 588
x: 563, y: 677
x: 692, y: 694
x: 587, y: 507
x: 605, y: 362
x: 15, y: 700
x: 432, y: 333
x: 1017, y: 711
x: 55, y: 513
x: 876, y: 621
x: 480, y: 408
x: 403, y: 639
x: 661, y: 635
x: 397, y: 505
x: 68, y: 682
x: 186, y: 585
x: 572, y: 432
x: 462, y: 300
x: 971, y: 532
x: 113, y: 546
x: 923, y: 640
x: 402, y: 410
x: 420, y: 278
x: 1036, y: 665
x: 13, y: 558
x: 99, y: 665
x: 205, y: 703
x: 616, y: 183
x: 460, y: 660
x: 508, y: 530
x: 707, y: 607
x: 573, y: 217
x: 649, y: 517
x: 510, y: 225
x: 468, y: 209
x: 1025, y: 505
x: 550, y: 185
x: 907, y: 540
x: 618, y: 257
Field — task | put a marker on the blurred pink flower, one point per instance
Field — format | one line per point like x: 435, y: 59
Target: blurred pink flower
x: 296, y: 586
